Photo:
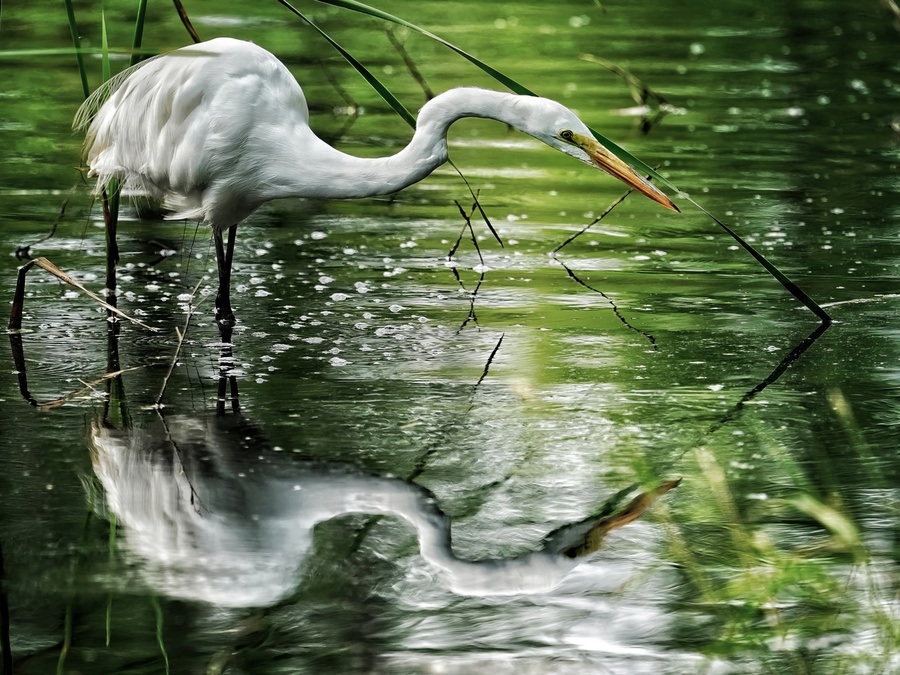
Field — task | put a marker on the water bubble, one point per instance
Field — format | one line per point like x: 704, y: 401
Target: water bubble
x: 579, y: 21
x: 697, y: 49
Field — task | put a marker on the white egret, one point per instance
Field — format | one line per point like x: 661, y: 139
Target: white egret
x: 212, y: 131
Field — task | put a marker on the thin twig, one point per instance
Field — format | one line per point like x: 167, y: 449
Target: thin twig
x: 186, y: 21
x: 88, y: 386
x: 181, y: 335
x: 409, y: 63
x: 467, y: 218
x: 24, y: 252
x: 593, y: 222
x: 484, y: 216
x: 15, y: 321
x: 490, y: 360
x: 350, y: 104
x: 615, y: 309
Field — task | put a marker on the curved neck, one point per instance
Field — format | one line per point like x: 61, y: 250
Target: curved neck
x: 314, y: 169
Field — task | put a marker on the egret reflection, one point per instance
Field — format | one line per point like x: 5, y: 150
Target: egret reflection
x: 212, y: 513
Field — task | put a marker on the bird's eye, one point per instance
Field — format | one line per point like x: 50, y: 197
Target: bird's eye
x: 566, y: 135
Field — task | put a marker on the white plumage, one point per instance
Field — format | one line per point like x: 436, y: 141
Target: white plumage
x: 214, y: 130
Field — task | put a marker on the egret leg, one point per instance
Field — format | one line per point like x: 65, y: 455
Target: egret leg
x: 111, y: 217
x: 224, y: 256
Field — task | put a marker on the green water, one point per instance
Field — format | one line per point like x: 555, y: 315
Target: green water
x: 649, y: 347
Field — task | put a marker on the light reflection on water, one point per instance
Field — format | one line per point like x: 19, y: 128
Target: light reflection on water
x: 351, y: 352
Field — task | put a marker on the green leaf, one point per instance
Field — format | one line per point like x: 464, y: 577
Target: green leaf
x: 375, y: 83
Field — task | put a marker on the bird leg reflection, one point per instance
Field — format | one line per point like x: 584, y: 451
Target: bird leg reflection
x: 227, y: 388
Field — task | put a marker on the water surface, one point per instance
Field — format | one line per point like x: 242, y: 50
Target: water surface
x: 383, y: 407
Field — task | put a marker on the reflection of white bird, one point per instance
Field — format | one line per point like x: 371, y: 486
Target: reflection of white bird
x: 211, y: 513
x: 209, y: 519
x: 213, y: 130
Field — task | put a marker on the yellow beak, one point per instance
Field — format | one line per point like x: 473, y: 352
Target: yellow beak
x: 604, y: 159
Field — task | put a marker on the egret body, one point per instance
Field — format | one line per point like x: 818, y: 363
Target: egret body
x: 214, y: 130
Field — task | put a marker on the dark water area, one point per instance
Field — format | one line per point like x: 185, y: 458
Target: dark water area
x: 389, y: 464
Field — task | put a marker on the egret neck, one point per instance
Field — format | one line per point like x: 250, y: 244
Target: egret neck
x: 343, y: 176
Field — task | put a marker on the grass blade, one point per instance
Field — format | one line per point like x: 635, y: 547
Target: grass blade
x: 373, y: 81
x: 379, y: 14
x: 104, y: 46
x: 76, y: 41
x: 782, y: 278
x: 138, y: 32
x: 160, y: 636
x: 502, y: 78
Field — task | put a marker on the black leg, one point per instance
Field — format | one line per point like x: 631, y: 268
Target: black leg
x: 111, y: 218
x: 224, y: 256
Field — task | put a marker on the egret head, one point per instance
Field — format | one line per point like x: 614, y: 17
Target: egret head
x: 560, y: 128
